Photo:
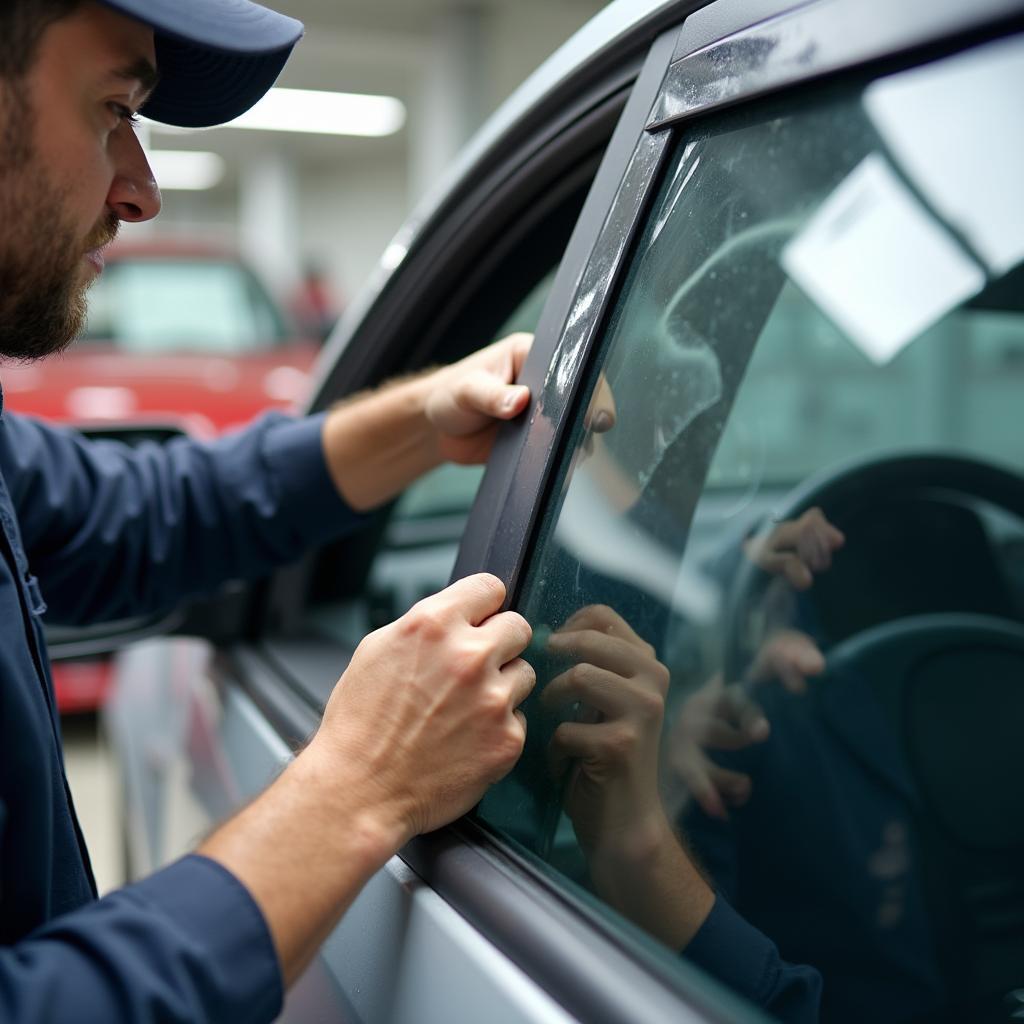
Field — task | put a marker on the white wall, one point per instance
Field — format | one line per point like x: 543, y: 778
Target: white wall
x: 349, y: 216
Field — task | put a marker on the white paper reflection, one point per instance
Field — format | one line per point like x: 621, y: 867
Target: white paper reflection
x: 603, y: 539
x: 956, y: 128
x: 877, y: 263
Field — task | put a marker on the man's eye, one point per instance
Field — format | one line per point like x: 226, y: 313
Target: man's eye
x: 124, y: 113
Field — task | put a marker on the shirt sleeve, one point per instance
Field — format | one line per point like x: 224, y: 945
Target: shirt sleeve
x: 188, y: 945
x: 114, y: 531
x: 732, y: 950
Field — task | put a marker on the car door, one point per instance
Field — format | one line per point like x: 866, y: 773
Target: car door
x: 758, y: 588
x: 639, y: 490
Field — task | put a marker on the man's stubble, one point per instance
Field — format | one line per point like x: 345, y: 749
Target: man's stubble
x: 42, y: 275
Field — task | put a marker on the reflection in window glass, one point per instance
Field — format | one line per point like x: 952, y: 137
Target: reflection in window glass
x: 778, y: 599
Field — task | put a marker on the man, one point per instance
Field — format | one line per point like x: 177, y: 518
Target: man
x: 425, y: 716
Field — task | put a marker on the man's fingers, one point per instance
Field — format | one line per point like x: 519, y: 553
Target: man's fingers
x: 601, y: 413
x: 790, y: 656
x: 480, y: 392
x: 817, y: 540
x: 784, y: 536
x: 473, y: 598
x: 519, y: 344
x: 694, y: 771
x: 578, y: 740
x: 509, y: 635
x: 522, y: 678
x: 791, y: 678
x: 720, y: 734
x: 796, y: 572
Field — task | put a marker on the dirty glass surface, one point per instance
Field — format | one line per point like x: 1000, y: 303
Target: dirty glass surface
x: 778, y: 592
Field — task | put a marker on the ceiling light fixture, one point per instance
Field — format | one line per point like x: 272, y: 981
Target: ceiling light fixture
x: 324, y: 113
x: 185, y: 169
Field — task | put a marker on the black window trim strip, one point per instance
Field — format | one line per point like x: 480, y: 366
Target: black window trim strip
x: 507, y: 502
x: 803, y: 43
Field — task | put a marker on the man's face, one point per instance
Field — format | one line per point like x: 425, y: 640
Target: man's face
x: 71, y: 169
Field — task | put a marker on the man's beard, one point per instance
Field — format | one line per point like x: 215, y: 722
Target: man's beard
x: 42, y: 273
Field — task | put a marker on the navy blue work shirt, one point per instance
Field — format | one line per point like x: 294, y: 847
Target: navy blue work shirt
x: 99, y: 531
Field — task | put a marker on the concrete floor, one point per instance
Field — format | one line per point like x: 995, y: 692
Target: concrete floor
x: 97, y: 796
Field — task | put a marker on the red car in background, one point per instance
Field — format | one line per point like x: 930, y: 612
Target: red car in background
x: 183, y: 335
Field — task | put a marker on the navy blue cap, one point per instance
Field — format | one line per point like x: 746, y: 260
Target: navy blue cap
x: 216, y: 58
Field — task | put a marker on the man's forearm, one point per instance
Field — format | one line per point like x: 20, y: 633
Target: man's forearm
x: 377, y: 444
x: 304, y: 849
x: 420, y: 723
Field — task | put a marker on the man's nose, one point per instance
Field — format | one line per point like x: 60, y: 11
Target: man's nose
x: 134, y: 194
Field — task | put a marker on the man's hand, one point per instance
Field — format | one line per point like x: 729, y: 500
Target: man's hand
x: 423, y: 720
x: 376, y: 444
x: 470, y: 398
x: 425, y: 716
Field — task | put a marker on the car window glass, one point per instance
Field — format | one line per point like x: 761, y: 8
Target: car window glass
x: 778, y: 593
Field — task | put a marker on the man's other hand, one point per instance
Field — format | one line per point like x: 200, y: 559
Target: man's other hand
x: 470, y: 398
x: 376, y: 444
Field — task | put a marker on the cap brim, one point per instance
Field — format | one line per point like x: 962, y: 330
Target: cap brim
x: 216, y: 58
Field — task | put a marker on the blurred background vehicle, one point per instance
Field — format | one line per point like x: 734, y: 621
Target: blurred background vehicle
x: 177, y: 332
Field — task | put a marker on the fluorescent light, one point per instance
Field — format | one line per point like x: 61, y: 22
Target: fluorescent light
x: 185, y: 169
x: 324, y: 113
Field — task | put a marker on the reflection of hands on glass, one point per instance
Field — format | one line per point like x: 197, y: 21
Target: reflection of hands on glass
x: 796, y: 549
x: 613, y: 796
x: 789, y: 656
x: 727, y: 717
x: 637, y: 862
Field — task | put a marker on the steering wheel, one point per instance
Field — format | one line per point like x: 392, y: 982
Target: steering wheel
x: 936, y: 638
x: 914, y: 546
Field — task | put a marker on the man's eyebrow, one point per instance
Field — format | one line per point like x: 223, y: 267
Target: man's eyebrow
x: 141, y: 71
